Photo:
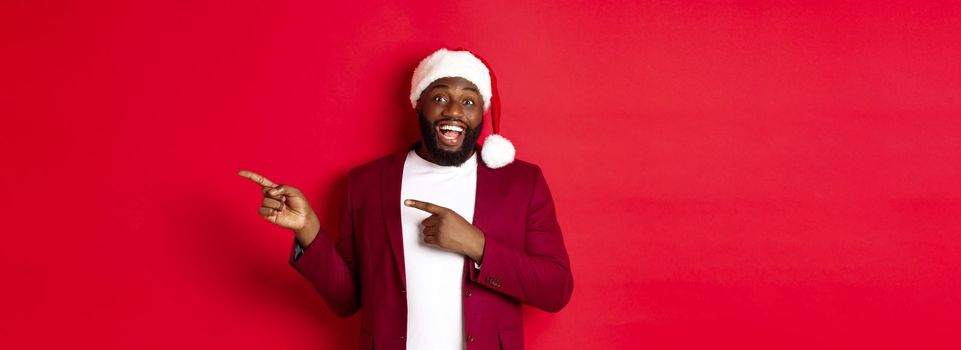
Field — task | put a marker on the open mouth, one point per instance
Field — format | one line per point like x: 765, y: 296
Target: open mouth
x: 449, y: 133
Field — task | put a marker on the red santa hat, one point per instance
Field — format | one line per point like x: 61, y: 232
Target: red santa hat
x: 497, y: 150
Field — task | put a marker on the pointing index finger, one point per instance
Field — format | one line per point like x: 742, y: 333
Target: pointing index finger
x: 255, y: 177
x: 428, y: 207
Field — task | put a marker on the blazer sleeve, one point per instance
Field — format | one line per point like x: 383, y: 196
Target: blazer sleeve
x: 539, y: 274
x: 331, y: 267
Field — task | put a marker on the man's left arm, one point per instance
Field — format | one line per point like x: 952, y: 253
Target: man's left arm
x: 540, y: 273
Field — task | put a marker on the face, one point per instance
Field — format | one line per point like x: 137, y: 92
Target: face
x: 451, y: 114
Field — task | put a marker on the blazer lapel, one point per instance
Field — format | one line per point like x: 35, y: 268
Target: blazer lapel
x: 484, y: 196
x: 390, y: 183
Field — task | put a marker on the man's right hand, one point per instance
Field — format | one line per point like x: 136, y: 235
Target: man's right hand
x: 285, y: 206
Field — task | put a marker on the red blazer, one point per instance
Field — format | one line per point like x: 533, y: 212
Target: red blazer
x: 524, y: 256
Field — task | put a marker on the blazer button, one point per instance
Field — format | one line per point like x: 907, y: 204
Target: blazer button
x: 470, y: 338
x: 468, y: 292
x: 403, y: 337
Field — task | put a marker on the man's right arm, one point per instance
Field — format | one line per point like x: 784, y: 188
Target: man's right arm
x: 331, y: 268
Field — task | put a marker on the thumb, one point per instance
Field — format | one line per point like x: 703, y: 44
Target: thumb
x: 286, y: 190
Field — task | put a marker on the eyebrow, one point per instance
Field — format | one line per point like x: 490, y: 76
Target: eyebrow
x: 445, y: 86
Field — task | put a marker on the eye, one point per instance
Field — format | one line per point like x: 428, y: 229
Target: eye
x: 469, y: 102
x: 440, y: 99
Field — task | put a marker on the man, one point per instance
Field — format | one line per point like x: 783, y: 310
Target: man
x: 439, y: 249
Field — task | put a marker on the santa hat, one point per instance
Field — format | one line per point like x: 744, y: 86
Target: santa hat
x: 497, y: 151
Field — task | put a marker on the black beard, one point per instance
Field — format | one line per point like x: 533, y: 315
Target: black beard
x: 443, y: 157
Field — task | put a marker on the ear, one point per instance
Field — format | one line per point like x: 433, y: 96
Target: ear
x: 420, y: 105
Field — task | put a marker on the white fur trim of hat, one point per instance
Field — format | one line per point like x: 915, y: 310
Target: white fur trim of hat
x: 497, y: 151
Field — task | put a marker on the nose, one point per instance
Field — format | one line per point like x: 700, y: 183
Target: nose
x: 454, y: 110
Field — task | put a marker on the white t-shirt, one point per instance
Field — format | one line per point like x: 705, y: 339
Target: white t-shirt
x: 434, y: 276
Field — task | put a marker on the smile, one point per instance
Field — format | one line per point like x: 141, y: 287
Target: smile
x: 450, y: 134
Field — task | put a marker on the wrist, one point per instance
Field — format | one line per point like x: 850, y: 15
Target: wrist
x: 308, y: 233
x: 476, y: 249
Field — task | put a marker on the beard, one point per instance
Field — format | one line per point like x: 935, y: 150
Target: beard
x: 443, y: 157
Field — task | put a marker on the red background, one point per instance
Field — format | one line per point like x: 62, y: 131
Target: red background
x: 741, y: 175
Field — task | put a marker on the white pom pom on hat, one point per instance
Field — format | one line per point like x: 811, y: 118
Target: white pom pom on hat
x: 497, y: 151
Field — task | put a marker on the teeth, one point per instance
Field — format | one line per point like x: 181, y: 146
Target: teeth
x: 452, y: 128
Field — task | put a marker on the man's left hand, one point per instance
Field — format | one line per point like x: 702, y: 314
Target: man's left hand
x: 448, y: 230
